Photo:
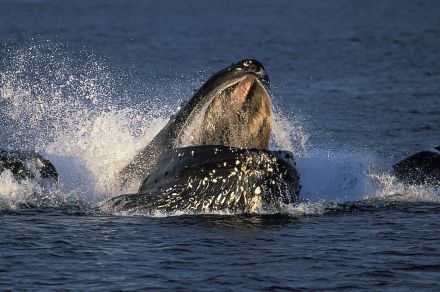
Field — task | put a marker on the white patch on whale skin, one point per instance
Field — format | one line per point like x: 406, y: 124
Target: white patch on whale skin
x: 256, y: 205
x: 257, y: 191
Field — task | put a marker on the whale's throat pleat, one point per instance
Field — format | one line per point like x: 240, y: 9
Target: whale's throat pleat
x: 238, y: 116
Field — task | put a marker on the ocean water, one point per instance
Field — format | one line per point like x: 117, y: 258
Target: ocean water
x: 355, y: 88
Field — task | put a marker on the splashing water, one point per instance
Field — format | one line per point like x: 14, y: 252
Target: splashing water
x: 38, y: 84
x: 390, y: 189
x: 69, y: 111
x: 99, y: 149
x: 88, y: 124
x: 288, y: 134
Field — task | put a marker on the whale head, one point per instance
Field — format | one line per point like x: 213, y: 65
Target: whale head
x: 232, y: 108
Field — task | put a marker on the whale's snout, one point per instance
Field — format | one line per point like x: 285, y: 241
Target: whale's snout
x: 254, y: 67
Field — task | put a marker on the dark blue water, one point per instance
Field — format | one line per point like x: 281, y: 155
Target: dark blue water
x: 355, y: 85
x: 375, y: 249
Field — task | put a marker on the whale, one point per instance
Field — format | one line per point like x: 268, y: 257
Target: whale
x: 420, y: 168
x: 231, y: 108
x: 28, y: 165
x: 213, y: 153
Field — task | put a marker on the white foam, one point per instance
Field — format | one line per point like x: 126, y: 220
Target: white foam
x: 92, y: 156
x: 15, y: 194
x: 390, y: 189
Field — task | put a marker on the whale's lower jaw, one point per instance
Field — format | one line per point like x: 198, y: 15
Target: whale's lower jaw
x: 204, y: 179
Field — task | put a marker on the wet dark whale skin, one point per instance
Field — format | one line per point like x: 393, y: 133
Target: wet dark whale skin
x: 211, y: 178
x: 420, y: 168
x: 19, y: 162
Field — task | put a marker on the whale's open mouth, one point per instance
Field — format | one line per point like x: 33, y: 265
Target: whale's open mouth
x: 235, y: 110
x: 231, y: 109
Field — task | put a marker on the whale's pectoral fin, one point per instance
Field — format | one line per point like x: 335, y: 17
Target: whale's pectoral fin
x: 437, y: 147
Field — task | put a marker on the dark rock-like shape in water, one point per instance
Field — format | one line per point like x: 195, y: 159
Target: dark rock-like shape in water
x: 28, y: 165
x: 420, y: 168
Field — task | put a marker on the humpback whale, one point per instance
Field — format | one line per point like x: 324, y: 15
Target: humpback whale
x: 28, y: 165
x: 232, y: 108
x: 212, y: 155
x: 420, y: 168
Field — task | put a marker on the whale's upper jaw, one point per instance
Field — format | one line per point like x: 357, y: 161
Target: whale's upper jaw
x: 234, y: 72
x: 437, y: 147
x: 254, y: 67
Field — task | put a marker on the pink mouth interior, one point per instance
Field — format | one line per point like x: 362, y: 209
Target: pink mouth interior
x: 239, y: 94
